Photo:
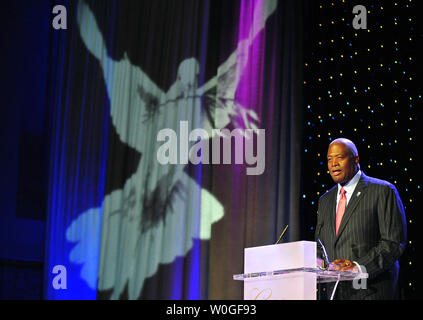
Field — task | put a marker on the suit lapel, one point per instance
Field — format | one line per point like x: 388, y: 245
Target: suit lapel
x: 332, y: 204
x: 358, y: 194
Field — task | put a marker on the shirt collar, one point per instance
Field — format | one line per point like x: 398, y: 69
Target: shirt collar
x: 350, y: 185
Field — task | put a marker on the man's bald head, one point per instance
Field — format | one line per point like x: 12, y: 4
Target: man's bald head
x: 348, y: 143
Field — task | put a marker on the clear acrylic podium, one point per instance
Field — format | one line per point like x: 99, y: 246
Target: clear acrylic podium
x: 286, y: 271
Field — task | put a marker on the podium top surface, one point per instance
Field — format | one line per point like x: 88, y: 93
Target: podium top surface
x: 323, y: 276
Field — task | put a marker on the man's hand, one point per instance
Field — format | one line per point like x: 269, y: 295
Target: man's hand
x: 343, y: 265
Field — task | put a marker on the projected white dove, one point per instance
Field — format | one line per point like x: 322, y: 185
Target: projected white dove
x: 160, y: 209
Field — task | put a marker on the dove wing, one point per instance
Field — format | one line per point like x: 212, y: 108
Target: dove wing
x: 229, y: 72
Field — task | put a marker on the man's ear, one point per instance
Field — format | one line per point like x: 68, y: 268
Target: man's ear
x: 356, y: 160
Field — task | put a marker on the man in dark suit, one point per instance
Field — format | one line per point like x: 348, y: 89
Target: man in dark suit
x: 361, y: 222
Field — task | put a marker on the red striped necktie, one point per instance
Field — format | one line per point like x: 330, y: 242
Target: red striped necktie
x: 341, y: 210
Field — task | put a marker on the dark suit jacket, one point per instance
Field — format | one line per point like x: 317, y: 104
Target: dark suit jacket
x: 372, y: 233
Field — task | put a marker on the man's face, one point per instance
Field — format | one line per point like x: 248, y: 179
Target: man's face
x: 341, y: 165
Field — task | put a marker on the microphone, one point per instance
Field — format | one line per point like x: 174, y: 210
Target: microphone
x: 283, y: 232
x: 326, y: 262
x: 319, y: 228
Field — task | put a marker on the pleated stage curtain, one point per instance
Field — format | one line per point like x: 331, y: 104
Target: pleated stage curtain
x: 146, y: 201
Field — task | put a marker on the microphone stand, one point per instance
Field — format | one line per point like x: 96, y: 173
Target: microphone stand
x: 325, y: 266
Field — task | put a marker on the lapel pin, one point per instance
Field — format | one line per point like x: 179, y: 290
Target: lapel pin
x: 358, y: 193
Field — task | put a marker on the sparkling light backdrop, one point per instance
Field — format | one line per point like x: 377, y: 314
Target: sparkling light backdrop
x: 364, y: 85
